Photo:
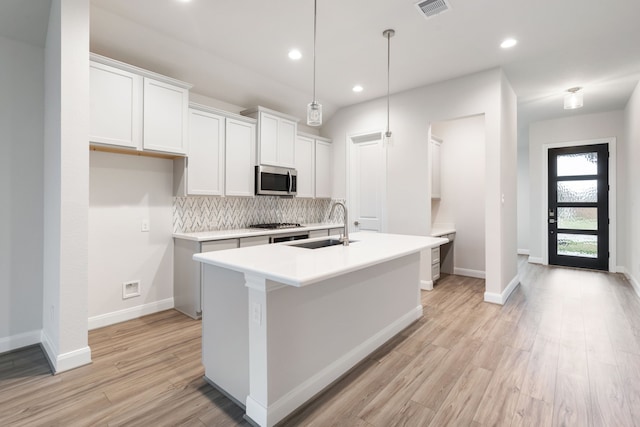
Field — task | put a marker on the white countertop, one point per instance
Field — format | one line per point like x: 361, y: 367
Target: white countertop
x: 437, y: 232
x: 298, y: 267
x: 204, y: 236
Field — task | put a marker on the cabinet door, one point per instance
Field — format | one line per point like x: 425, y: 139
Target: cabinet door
x: 305, y: 166
x: 286, y: 143
x: 268, y: 151
x: 435, y: 170
x: 240, y: 158
x: 165, y: 117
x: 205, y: 167
x: 324, y: 172
x: 115, y: 107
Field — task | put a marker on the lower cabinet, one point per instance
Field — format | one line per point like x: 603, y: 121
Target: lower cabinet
x: 187, y: 273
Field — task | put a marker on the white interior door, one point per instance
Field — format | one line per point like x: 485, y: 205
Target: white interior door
x: 368, y: 177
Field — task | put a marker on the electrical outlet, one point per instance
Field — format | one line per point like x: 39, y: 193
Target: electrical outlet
x: 145, y: 225
x: 256, y: 313
x: 131, y: 289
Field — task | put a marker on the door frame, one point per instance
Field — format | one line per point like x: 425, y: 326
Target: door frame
x: 363, y: 137
x: 611, y: 141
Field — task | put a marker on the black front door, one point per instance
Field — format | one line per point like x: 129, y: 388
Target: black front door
x: 578, y: 215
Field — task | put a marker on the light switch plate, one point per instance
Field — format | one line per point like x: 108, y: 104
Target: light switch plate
x: 144, y: 227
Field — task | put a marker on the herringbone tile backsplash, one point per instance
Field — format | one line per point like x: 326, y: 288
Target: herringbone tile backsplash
x: 193, y: 214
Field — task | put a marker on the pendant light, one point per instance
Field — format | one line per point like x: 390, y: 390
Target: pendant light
x: 573, y: 98
x: 314, y: 110
x: 388, y: 138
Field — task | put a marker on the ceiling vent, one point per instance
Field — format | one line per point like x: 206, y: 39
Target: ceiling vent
x: 431, y: 8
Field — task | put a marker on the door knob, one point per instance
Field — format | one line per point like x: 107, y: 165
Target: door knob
x: 356, y: 223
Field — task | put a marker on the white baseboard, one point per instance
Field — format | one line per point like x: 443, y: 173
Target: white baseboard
x: 634, y: 283
x: 478, y: 274
x: 523, y: 251
x: 295, y: 398
x: 504, y: 296
x: 107, y: 319
x: 535, y: 260
x: 65, y: 361
x: 621, y: 269
x: 426, y: 285
x: 14, y: 342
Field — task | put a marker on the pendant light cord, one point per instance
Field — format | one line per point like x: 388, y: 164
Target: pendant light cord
x: 388, y: 72
x: 315, y: 14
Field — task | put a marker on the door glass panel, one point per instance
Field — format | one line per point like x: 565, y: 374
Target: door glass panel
x: 578, y: 191
x: 578, y: 164
x: 578, y: 218
x: 578, y: 245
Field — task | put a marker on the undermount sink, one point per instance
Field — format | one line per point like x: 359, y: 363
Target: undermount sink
x: 317, y: 244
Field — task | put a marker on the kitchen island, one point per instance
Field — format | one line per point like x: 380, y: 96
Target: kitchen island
x: 282, y: 322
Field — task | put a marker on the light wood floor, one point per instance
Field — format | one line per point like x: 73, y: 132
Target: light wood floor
x: 564, y: 350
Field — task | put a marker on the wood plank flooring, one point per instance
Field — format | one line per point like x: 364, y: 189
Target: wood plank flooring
x: 563, y: 351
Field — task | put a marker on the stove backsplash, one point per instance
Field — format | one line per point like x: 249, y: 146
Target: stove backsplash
x: 193, y: 214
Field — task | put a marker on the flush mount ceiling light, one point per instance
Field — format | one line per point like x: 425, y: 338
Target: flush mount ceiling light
x: 388, y: 139
x: 314, y: 110
x: 357, y: 88
x: 507, y: 43
x: 295, y: 54
x: 573, y: 98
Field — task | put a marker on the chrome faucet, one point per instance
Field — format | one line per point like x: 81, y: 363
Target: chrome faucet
x: 344, y: 238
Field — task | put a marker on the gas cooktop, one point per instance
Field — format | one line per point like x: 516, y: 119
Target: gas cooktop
x: 276, y: 225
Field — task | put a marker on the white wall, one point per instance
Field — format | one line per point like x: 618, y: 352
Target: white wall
x: 462, y: 172
x: 524, y: 216
x: 66, y: 185
x: 21, y: 192
x: 574, y: 128
x: 125, y: 190
x: 408, y: 193
x: 630, y: 157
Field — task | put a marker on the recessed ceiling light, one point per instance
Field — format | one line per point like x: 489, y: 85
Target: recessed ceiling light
x: 295, y: 54
x: 357, y: 88
x: 184, y: 1
x: 508, y: 43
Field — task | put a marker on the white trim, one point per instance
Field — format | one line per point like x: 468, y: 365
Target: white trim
x: 382, y: 175
x: 504, y: 296
x: 634, y: 283
x: 535, y: 260
x: 478, y: 274
x: 426, y: 285
x: 611, y: 141
x: 107, y: 319
x: 14, y: 342
x: 66, y: 361
x: 621, y: 269
x: 523, y: 251
x: 275, y: 412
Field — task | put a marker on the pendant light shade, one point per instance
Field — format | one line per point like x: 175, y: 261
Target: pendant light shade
x: 574, y: 98
x: 388, y: 137
x: 314, y: 109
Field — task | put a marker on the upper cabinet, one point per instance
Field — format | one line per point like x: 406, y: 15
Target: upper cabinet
x: 276, y: 137
x: 221, y: 155
x: 314, y: 166
x: 435, y: 167
x: 137, y: 109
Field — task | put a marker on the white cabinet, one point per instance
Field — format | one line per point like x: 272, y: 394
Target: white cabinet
x: 205, y: 162
x: 313, y: 164
x: 276, y: 137
x: 324, y: 170
x: 137, y: 109
x: 240, y: 157
x: 305, y: 166
x: 115, y: 106
x: 435, y: 168
x: 165, y: 117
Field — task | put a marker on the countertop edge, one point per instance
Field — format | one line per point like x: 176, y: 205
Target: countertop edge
x: 207, y: 236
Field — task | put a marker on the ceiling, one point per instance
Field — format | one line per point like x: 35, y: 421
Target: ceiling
x: 236, y: 51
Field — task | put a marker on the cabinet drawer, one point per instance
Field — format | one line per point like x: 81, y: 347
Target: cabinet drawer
x: 253, y: 241
x: 219, y: 245
x: 435, y: 272
x: 435, y: 255
x: 334, y: 231
x: 318, y: 233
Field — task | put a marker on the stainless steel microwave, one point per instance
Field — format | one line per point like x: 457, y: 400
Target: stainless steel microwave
x: 276, y: 181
